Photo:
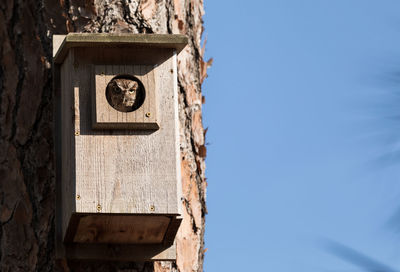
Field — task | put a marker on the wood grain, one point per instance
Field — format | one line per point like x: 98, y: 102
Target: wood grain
x: 121, y: 229
x: 110, y: 174
x: 104, y: 116
x: 68, y: 120
x: 108, y: 252
x: 72, y: 40
x: 132, y: 166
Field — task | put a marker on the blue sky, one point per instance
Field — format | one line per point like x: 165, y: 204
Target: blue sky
x: 303, y: 110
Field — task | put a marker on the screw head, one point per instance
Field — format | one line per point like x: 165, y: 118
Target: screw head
x: 77, y: 133
x: 148, y: 114
x: 152, y: 208
x: 78, y: 197
x: 98, y: 207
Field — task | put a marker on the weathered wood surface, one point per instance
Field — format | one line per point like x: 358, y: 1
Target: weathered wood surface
x: 27, y: 177
x: 69, y: 116
x: 104, y: 116
x: 177, y: 42
x: 121, y: 229
x: 118, y: 254
x: 112, y: 171
x: 126, y: 171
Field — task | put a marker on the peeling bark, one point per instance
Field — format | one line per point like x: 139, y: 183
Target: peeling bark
x: 27, y: 176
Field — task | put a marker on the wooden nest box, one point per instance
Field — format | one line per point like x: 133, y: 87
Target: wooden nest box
x: 118, y: 156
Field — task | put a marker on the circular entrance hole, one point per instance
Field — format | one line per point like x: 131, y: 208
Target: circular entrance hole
x: 125, y: 93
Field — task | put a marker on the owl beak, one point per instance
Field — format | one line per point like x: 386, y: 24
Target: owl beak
x: 128, y: 102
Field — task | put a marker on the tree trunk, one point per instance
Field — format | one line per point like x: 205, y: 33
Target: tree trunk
x: 27, y: 175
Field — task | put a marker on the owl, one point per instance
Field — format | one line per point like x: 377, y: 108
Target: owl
x: 122, y: 94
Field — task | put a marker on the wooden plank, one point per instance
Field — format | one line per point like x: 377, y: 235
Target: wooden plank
x: 57, y: 42
x: 175, y: 102
x: 126, y: 253
x: 117, y: 172
x: 99, y: 75
x: 135, y: 168
x: 121, y: 229
x: 101, y: 40
x: 69, y: 118
x: 172, y: 230
x: 106, y: 117
x: 133, y: 56
x: 58, y: 151
x: 152, y: 85
x: 150, y: 103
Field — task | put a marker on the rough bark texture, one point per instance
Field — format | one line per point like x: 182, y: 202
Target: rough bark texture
x: 27, y: 176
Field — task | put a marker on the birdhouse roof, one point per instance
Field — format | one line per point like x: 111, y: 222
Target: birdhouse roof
x: 173, y: 41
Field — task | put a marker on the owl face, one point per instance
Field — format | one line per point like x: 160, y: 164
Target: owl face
x: 123, y: 93
x: 126, y: 89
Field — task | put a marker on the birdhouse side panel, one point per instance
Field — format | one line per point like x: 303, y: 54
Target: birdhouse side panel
x: 67, y: 165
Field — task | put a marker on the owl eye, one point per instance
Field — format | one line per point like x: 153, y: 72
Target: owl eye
x: 117, y: 88
x: 131, y: 90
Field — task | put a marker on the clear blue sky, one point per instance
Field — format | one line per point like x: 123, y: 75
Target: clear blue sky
x: 303, y: 110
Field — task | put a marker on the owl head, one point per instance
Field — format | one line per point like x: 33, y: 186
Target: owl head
x: 126, y: 89
x: 125, y: 93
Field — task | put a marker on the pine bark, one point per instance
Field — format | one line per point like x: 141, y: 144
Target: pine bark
x: 27, y: 174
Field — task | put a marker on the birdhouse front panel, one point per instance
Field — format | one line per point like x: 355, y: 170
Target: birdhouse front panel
x: 131, y: 170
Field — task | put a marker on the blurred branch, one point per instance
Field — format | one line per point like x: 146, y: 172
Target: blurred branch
x: 355, y: 257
